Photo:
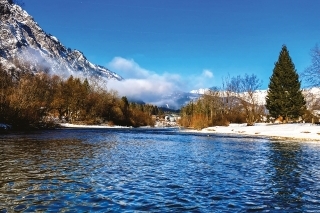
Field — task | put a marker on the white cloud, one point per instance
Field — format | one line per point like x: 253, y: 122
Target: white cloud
x: 149, y: 90
x: 207, y: 73
x: 140, y: 83
x: 203, y: 80
x: 143, y: 84
x: 128, y: 68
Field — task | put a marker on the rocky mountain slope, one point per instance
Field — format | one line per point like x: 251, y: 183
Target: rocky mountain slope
x: 22, y: 39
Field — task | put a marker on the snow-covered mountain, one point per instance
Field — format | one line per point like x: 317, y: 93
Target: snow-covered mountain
x: 23, y: 39
x: 176, y: 100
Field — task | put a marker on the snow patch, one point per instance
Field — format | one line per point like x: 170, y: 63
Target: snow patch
x: 199, y: 91
x: 304, y: 131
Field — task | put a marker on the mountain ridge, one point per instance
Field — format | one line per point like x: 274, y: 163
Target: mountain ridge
x: 22, y: 38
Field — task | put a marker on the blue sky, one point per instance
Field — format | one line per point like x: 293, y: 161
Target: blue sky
x: 183, y: 44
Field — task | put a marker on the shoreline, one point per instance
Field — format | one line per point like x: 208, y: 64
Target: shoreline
x: 297, y: 131
x: 78, y: 126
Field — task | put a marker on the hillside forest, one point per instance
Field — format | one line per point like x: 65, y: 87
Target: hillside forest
x: 30, y: 100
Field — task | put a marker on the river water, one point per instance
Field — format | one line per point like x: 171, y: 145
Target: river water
x: 155, y: 170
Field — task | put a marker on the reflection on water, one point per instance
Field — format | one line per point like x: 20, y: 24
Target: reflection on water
x: 155, y: 170
x: 285, y: 159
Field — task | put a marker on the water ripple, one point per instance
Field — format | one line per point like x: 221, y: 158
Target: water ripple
x: 157, y: 171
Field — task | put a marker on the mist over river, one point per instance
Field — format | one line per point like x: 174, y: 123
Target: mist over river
x: 155, y: 170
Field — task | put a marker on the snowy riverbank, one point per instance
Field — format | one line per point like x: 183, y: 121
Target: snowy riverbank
x: 68, y: 125
x: 294, y: 131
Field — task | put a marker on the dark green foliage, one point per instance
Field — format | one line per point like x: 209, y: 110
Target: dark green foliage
x: 284, y: 96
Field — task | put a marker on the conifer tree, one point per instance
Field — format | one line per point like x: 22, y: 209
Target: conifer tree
x: 284, y: 96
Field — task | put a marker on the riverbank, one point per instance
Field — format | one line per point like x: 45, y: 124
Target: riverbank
x: 299, y: 131
x: 290, y: 131
x: 68, y: 125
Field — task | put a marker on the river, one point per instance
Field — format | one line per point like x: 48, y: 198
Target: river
x: 156, y: 170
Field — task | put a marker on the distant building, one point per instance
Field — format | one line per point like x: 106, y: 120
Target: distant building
x: 172, y: 118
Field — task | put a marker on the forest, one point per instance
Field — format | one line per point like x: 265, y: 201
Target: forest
x: 29, y: 100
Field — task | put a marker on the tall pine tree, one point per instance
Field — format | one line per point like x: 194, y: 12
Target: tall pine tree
x: 284, y: 96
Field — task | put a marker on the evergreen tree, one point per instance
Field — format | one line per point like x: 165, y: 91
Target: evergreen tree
x: 284, y: 96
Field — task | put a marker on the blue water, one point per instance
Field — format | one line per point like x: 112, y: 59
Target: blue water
x: 138, y: 170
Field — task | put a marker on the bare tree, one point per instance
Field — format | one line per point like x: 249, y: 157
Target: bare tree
x: 240, y: 92
x: 312, y: 74
x: 248, y: 87
x: 213, y: 105
x: 231, y: 86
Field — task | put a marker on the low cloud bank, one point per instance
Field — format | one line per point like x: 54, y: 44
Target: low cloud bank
x: 140, y: 83
x: 149, y: 90
x: 151, y: 87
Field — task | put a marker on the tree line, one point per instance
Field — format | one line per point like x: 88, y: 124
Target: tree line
x: 36, y: 100
x: 30, y: 100
x: 237, y: 101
